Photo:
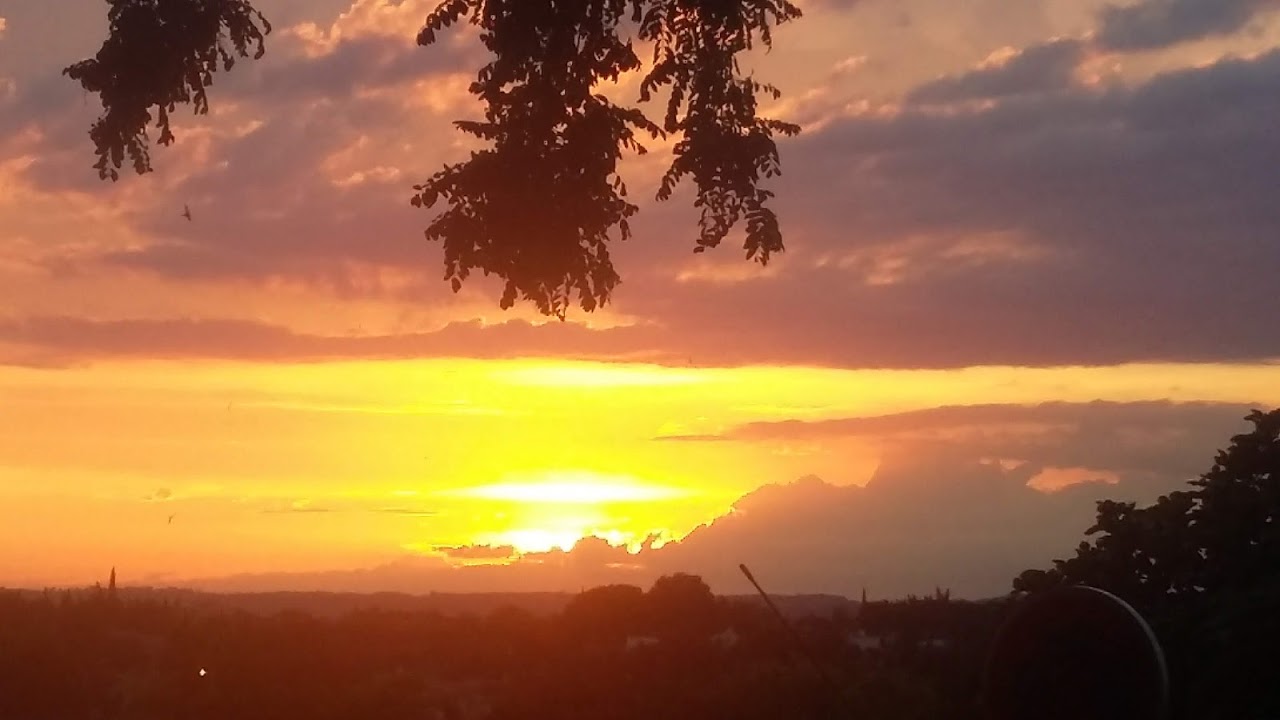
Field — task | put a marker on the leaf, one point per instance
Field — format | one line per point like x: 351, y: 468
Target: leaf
x: 540, y: 203
x: 161, y: 55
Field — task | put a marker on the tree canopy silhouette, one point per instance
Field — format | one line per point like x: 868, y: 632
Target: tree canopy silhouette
x: 160, y: 54
x: 538, y: 206
x: 1221, y: 536
x: 1204, y: 565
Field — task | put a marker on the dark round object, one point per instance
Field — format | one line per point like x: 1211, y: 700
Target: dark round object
x: 1076, y: 653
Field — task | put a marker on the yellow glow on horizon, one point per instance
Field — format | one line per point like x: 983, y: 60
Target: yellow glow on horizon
x: 348, y: 464
x: 533, y: 540
x: 565, y: 538
x: 461, y: 385
x: 595, y: 375
x: 554, y: 510
x: 572, y: 488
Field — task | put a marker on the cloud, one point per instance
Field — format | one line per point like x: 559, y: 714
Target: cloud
x: 337, y: 505
x: 399, y: 20
x: 1151, y: 442
x: 1114, y: 414
x: 1048, y: 67
x: 592, y: 563
x: 408, y: 512
x: 69, y: 340
x: 475, y: 553
x: 358, y: 65
x: 1051, y: 224
x: 304, y: 506
x: 849, y: 66
x: 693, y: 438
x: 837, y: 5
x: 919, y: 524
x: 160, y: 495
x: 952, y: 504
x: 365, y: 86
x: 315, y: 192
x: 1088, y: 226
x: 1154, y: 24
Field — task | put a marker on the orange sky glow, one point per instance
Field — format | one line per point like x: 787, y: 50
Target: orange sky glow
x: 1030, y: 264
x: 327, y: 466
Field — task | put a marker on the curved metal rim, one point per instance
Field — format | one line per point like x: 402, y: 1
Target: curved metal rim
x: 1153, y: 641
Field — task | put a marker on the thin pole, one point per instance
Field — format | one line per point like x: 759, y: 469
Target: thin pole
x: 795, y: 636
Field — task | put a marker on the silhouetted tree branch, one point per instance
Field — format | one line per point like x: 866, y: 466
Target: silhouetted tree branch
x: 539, y: 206
x: 159, y: 54
x: 1201, y: 564
x: 1223, y: 535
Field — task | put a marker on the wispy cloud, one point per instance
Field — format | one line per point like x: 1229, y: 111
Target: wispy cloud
x: 701, y: 437
x: 1102, y: 194
x: 1046, y: 68
x: 409, y: 512
x: 1155, y: 442
x: 339, y: 505
x: 1154, y: 24
x: 160, y: 495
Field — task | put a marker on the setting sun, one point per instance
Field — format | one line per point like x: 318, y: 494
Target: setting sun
x: 538, y: 512
x: 536, y: 541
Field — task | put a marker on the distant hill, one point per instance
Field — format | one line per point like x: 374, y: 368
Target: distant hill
x: 329, y: 604
x: 798, y: 606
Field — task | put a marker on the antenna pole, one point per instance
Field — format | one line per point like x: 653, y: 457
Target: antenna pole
x: 795, y: 636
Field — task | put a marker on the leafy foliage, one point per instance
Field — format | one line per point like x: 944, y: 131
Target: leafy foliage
x: 159, y: 54
x: 539, y: 206
x: 1223, y: 535
x: 1204, y: 566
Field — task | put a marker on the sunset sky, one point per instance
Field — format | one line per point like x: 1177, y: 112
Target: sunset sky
x: 1031, y: 262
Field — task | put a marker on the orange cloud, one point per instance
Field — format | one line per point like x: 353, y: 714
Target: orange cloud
x: 400, y: 21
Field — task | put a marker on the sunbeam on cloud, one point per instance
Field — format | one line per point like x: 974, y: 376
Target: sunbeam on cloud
x: 571, y: 488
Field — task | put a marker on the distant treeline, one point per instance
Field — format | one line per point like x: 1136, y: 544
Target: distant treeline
x: 620, y: 652
x: 335, y: 604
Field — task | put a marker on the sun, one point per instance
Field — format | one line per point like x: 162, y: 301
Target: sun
x: 553, y: 510
x: 534, y: 540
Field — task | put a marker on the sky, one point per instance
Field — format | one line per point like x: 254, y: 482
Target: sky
x: 1031, y: 261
